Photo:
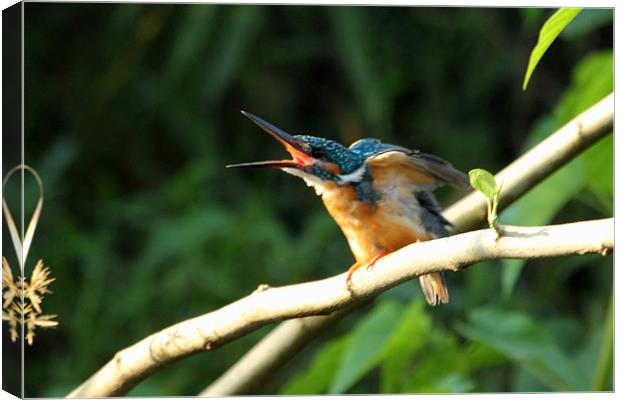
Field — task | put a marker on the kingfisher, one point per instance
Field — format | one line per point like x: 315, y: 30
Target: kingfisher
x: 379, y: 194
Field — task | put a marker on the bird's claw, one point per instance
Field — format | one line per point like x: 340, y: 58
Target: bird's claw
x: 368, y: 266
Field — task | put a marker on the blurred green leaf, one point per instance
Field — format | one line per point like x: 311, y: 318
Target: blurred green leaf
x: 440, y: 357
x: 412, y: 332
x: 416, y: 357
x: 587, y: 21
x: 194, y: 32
x: 453, y: 383
x: 526, y: 342
x: 591, y: 80
x: 56, y: 161
x: 145, y: 388
x: 350, y: 30
x: 175, y: 236
x: 604, y: 365
x: 598, y: 162
x: 367, y: 340
x: 526, y: 380
x: 411, y: 342
x: 549, y: 31
x: 316, y: 378
x: 230, y: 52
x: 531, y: 17
x: 511, y: 271
x: 480, y: 355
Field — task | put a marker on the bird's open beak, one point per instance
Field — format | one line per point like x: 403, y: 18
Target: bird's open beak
x: 298, y: 149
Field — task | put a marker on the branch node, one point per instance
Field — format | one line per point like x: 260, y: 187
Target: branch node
x: 579, y: 129
x: 605, y: 251
x: 499, y: 230
x: 262, y: 287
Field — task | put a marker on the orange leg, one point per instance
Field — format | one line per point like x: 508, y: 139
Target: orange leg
x: 376, y: 258
x: 351, y: 270
x: 370, y: 265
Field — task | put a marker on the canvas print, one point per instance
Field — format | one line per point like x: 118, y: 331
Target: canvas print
x: 227, y: 199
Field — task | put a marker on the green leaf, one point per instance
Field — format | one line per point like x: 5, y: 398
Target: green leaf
x: 480, y: 356
x: 484, y: 181
x: 431, y: 364
x: 350, y: 27
x: 441, y: 358
x: 238, y: 34
x: 453, y: 383
x: 367, y: 340
x: 316, y: 378
x: 511, y: 271
x: 531, y: 17
x: 193, y: 33
x: 591, y: 80
x: 598, y: 162
x: 550, y: 30
x: 523, y: 340
x: 604, y: 366
x: 411, y: 334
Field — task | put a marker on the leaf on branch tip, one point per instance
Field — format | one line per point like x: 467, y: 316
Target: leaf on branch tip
x: 484, y: 181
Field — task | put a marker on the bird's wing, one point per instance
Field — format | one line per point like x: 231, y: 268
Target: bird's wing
x: 420, y: 168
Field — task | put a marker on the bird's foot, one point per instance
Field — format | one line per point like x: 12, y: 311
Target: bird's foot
x: 376, y: 258
x: 370, y: 265
x: 351, y: 270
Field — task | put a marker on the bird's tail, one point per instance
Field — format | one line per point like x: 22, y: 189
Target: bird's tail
x: 434, y: 288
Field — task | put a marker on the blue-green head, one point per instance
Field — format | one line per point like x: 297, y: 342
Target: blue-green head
x: 313, y: 158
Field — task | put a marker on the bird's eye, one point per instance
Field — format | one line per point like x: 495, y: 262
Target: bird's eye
x: 317, y: 153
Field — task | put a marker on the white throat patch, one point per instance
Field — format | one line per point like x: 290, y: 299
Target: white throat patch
x: 311, y: 180
x: 319, y: 185
x: 355, y: 176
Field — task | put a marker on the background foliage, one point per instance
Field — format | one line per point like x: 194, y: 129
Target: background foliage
x: 133, y: 110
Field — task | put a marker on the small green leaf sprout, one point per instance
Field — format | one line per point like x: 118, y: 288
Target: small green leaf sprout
x: 484, y: 181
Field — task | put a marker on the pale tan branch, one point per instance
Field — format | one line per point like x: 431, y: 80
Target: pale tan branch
x: 219, y: 327
x: 284, y: 340
x: 519, y: 177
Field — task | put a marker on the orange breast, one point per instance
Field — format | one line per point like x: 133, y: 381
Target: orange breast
x: 393, y: 223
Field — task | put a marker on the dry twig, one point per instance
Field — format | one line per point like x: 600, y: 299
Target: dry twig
x: 14, y: 309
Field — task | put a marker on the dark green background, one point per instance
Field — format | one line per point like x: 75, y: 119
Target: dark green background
x: 132, y: 112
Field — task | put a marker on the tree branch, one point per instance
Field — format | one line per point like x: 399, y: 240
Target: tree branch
x: 130, y: 366
x: 519, y: 177
x: 286, y: 339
